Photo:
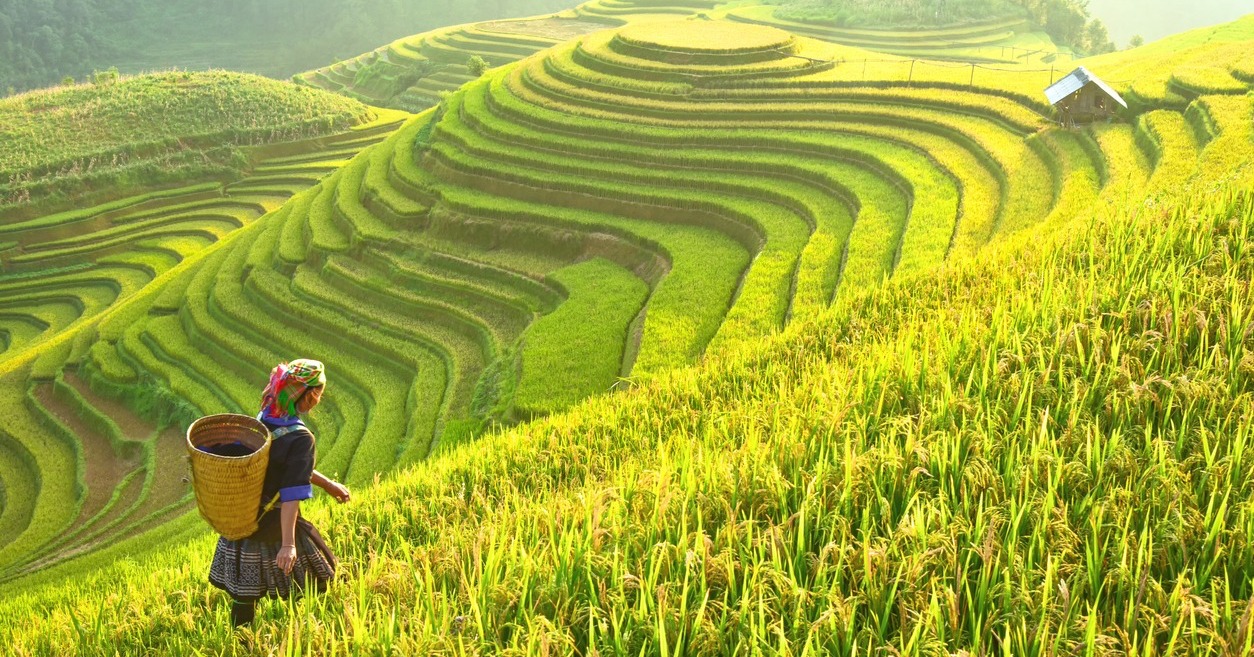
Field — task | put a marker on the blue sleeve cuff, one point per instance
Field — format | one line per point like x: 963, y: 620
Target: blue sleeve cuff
x: 296, y: 493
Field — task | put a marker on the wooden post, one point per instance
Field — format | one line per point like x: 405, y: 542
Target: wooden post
x: 1051, y: 75
x: 864, y: 69
x: 971, y: 82
x: 910, y: 79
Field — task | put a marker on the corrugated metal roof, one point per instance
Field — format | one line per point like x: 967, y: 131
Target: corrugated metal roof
x: 1074, y: 81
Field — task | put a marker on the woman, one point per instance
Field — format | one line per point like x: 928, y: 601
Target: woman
x: 286, y: 552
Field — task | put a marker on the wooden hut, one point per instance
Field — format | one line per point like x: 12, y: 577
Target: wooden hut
x: 1082, y: 97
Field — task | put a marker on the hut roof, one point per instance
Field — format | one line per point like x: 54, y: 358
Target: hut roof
x: 1074, y: 81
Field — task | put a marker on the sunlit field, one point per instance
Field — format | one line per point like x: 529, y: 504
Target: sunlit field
x: 672, y: 328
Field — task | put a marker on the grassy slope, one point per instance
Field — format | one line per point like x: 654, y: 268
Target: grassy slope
x: 1217, y: 48
x: 929, y: 467
x: 1066, y: 464
x: 129, y: 133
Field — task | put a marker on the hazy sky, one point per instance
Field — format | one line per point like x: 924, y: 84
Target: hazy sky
x: 1154, y: 19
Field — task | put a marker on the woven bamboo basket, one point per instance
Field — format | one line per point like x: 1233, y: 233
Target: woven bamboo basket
x: 228, y: 488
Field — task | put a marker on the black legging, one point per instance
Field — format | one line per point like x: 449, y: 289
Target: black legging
x: 242, y: 612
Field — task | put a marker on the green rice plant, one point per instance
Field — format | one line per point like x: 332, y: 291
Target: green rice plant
x: 463, y: 341
x: 1168, y: 142
x: 245, y: 339
x: 739, y: 483
x: 577, y: 350
x: 377, y: 185
x: 154, y: 348
x: 492, y: 309
x: 396, y: 420
x: 201, y: 121
x: 21, y: 477
x: 176, y: 248
x: 49, y: 362
x: 27, y: 321
x: 1127, y: 168
x: 73, y: 216
x: 364, y: 225
x: 181, y: 206
x: 81, y: 343
x: 605, y: 52
x: 939, y: 240
x: 326, y: 232
x: 213, y: 227
x: 475, y: 279
x: 782, y: 236
x: 489, y: 45
x: 1201, y: 80
x: 55, y: 462
x: 265, y: 247
x: 686, y: 306
x: 404, y: 172
x: 104, y: 359
x: 122, y: 445
x: 785, y: 236
x: 293, y: 246
x: 1230, y: 122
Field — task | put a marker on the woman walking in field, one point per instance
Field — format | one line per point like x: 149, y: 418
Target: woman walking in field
x: 286, y: 552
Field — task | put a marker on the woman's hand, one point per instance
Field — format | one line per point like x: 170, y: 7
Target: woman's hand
x: 338, y: 491
x: 286, y: 559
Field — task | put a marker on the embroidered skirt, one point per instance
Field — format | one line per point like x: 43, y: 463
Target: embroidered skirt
x: 247, y: 571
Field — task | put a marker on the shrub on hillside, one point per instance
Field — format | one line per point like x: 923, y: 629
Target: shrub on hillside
x: 476, y: 65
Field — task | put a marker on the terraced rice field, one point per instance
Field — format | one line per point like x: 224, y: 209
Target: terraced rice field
x: 84, y: 420
x: 1003, y: 41
x: 588, y: 218
x: 620, y: 12
x: 414, y: 73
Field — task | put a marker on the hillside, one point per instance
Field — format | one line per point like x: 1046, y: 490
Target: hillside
x: 415, y: 72
x: 897, y: 363
x: 143, y: 132
x: 918, y: 469
x: 1173, y: 71
x: 43, y: 42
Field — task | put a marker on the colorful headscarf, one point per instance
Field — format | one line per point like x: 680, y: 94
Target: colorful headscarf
x: 288, y: 381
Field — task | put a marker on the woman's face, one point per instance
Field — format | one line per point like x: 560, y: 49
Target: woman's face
x: 309, y: 399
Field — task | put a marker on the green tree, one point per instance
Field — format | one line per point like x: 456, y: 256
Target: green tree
x: 1136, y: 41
x: 47, y: 44
x: 476, y: 65
x: 1096, y: 38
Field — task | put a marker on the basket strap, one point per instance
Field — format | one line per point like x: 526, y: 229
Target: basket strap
x: 274, y: 501
x: 283, y: 431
